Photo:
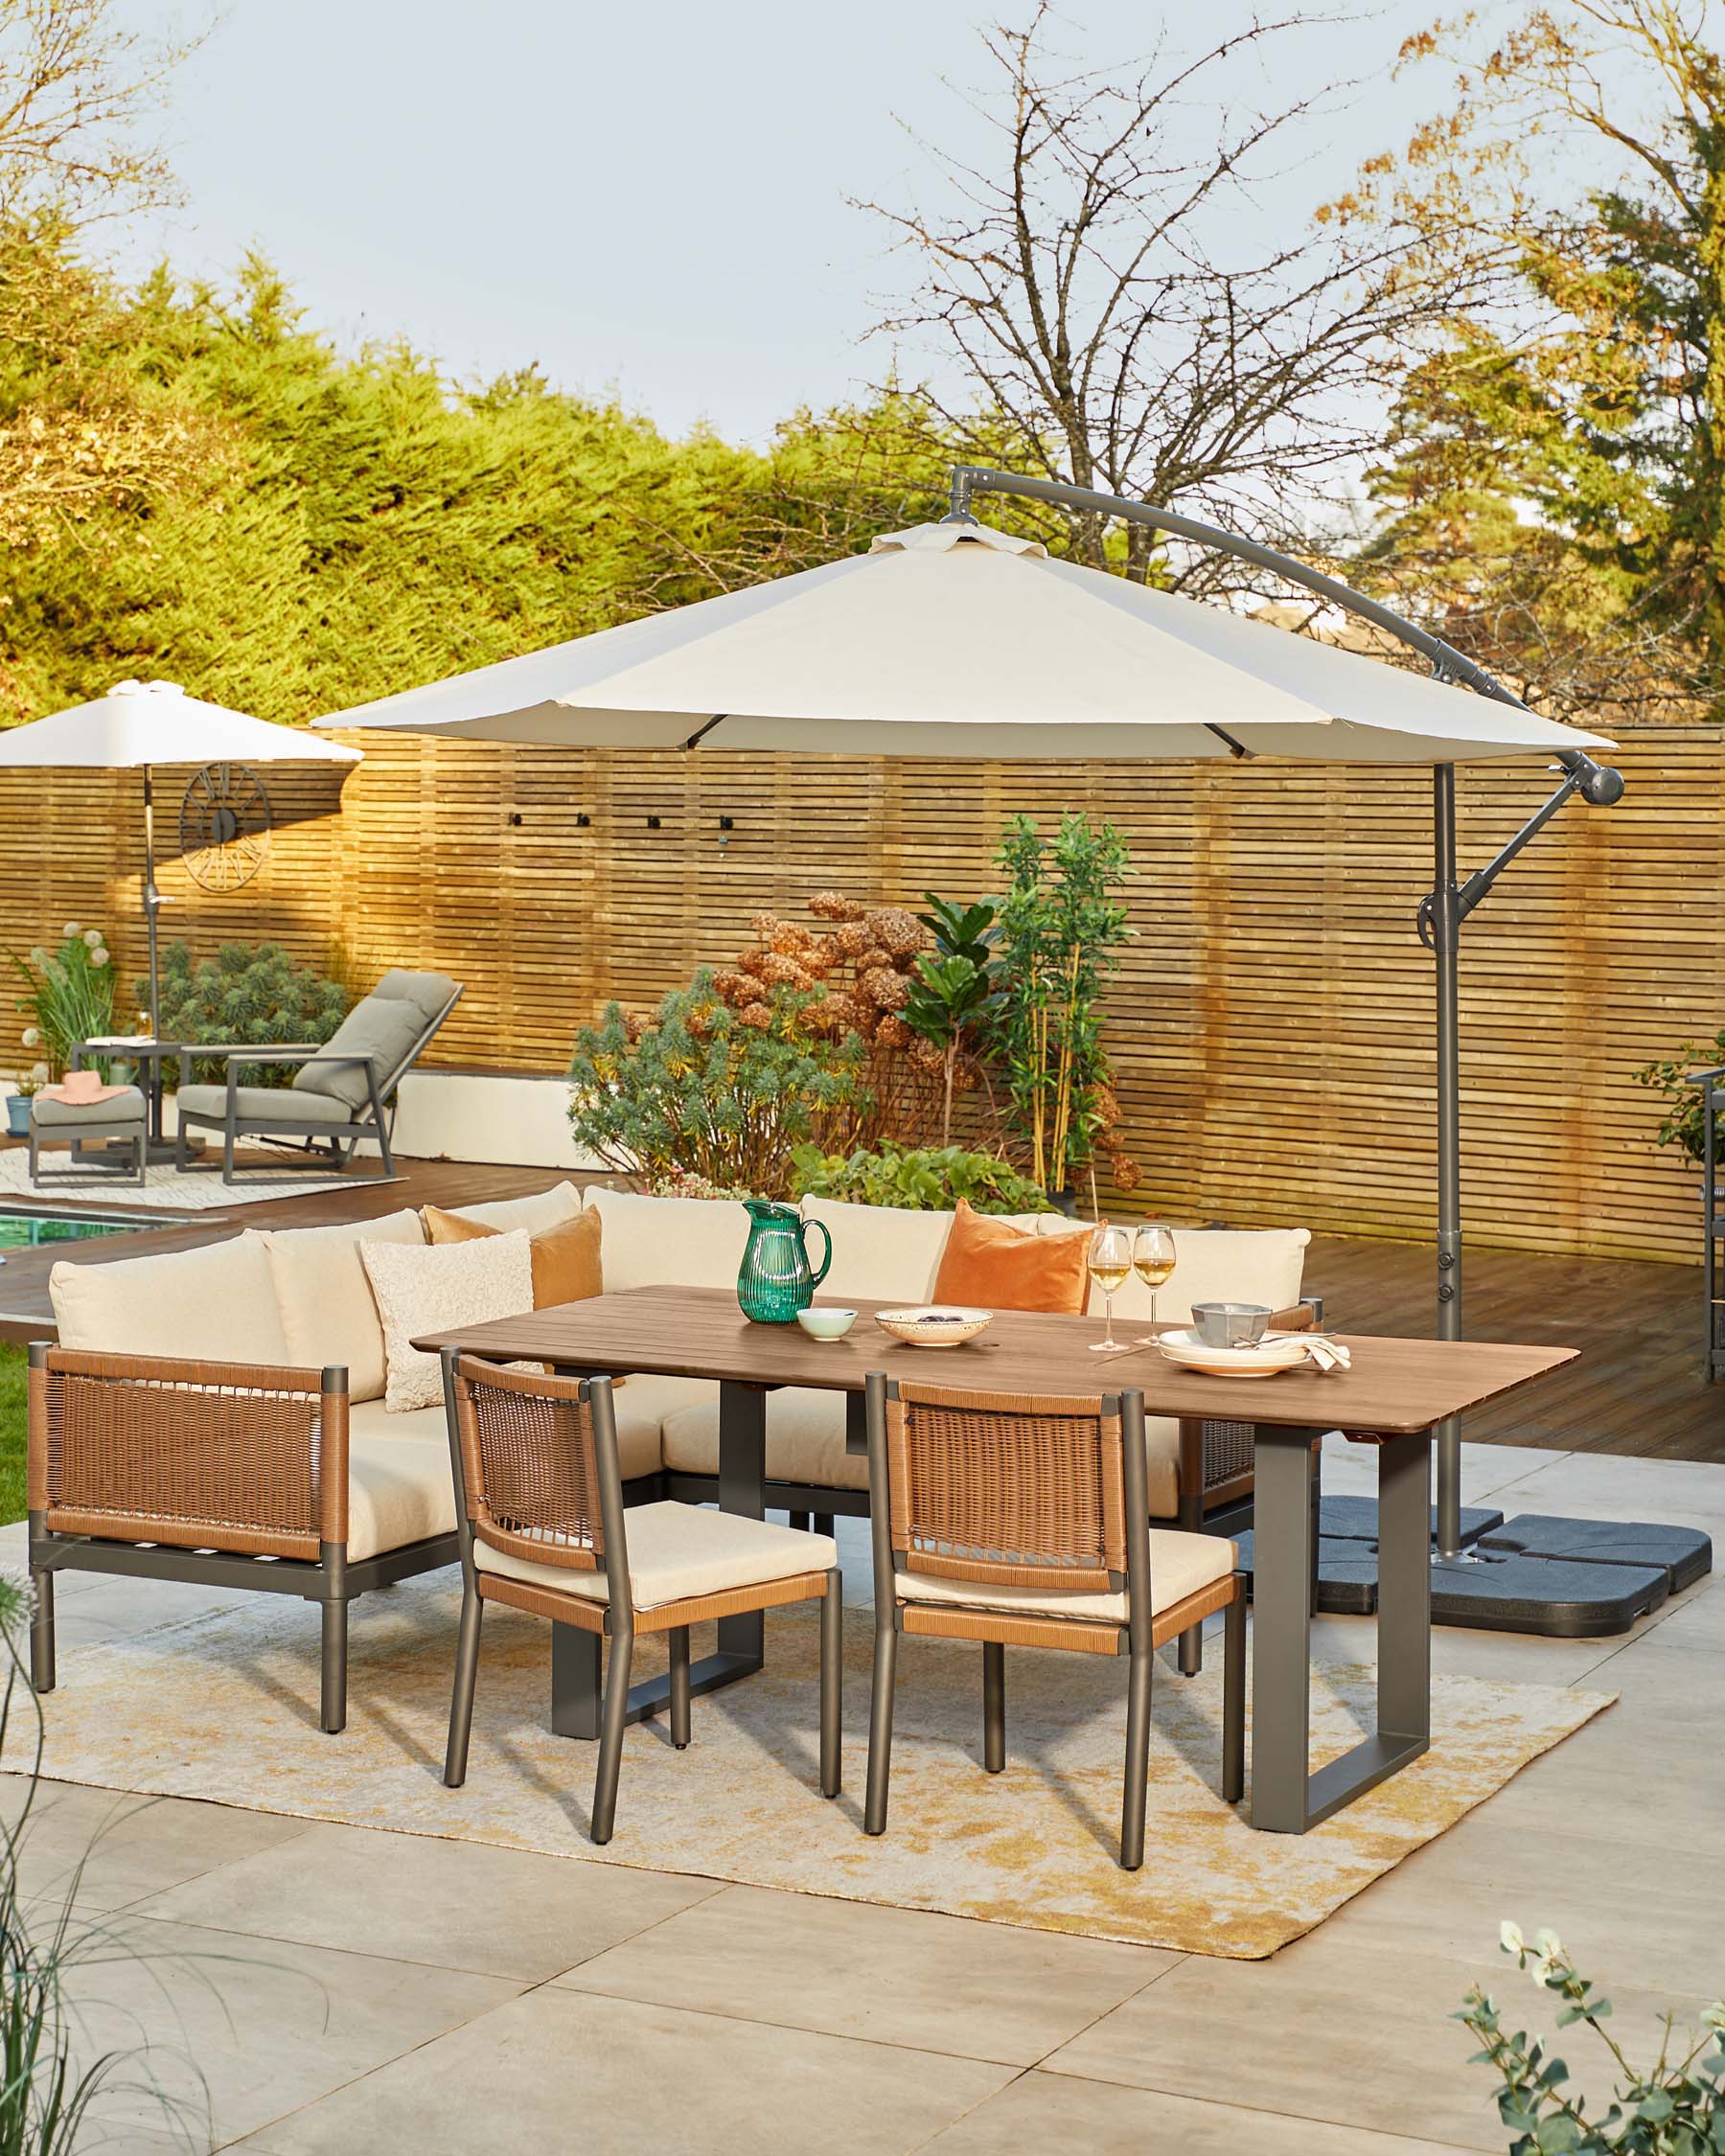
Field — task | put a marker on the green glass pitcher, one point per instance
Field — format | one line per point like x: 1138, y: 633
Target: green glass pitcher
x: 776, y: 1279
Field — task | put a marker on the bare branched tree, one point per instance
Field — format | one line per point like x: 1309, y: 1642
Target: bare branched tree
x: 76, y: 88
x: 1121, y: 317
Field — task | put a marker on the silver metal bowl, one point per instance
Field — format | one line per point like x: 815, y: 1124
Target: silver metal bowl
x: 1230, y: 1325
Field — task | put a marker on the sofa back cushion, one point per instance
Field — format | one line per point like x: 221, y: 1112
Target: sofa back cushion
x: 678, y: 1242
x: 383, y: 1027
x: 328, y: 1312
x: 878, y: 1251
x: 213, y: 1304
x: 545, y: 1208
x: 1218, y: 1265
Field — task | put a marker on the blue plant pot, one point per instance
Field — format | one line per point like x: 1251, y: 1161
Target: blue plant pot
x: 18, y: 1115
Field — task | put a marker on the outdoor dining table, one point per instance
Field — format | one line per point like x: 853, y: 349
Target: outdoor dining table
x: 1391, y: 1395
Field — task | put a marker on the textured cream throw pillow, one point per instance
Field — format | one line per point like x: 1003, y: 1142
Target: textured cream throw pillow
x: 434, y: 1287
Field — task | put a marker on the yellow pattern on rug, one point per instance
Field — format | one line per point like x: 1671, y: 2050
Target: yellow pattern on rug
x: 224, y: 1707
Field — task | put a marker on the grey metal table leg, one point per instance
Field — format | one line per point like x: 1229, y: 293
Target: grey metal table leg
x: 1286, y: 1797
x: 741, y: 1490
x: 574, y: 1681
x: 1281, y: 1630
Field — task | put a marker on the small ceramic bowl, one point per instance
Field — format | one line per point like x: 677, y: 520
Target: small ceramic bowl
x: 826, y: 1324
x: 1230, y: 1325
x: 936, y: 1326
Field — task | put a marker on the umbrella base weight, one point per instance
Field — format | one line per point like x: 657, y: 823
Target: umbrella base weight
x: 1566, y: 1579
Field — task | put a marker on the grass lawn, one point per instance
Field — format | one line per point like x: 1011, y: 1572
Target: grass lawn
x: 11, y: 1433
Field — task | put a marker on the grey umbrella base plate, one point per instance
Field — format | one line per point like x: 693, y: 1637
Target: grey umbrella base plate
x: 1571, y: 1579
x: 1683, y: 1553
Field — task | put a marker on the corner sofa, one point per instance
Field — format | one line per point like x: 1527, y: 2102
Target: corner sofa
x: 218, y: 1415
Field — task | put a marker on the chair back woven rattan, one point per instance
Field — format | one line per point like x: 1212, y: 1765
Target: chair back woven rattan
x: 1007, y: 1490
x: 530, y: 1466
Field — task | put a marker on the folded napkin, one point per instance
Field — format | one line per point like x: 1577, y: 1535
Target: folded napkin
x: 82, y: 1089
x: 1327, y: 1354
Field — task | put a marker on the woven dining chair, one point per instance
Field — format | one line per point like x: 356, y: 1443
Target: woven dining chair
x: 1021, y: 1521
x: 543, y: 1528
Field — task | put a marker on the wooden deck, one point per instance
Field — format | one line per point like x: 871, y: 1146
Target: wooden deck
x: 1636, y: 1389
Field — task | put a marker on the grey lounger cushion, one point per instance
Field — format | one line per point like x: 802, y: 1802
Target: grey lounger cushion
x: 383, y: 1027
x: 428, y: 993
x: 258, y: 1103
x: 124, y: 1108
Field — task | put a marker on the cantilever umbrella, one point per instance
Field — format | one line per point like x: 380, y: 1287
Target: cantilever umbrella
x: 139, y: 723
x: 956, y: 640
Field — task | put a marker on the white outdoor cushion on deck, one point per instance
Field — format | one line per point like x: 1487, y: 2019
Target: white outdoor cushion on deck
x: 329, y: 1312
x: 1180, y: 1565
x: 401, y: 1489
x: 258, y: 1102
x: 1217, y: 1265
x: 669, y: 1242
x: 215, y: 1304
x: 545, y: 1208
x: 878, y: 1250
x: 805, y: 1440
x: 677, y: 1551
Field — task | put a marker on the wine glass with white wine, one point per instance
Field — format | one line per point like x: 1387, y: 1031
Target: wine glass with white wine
x: 1152, y: 1257
x: 1110, y: 1268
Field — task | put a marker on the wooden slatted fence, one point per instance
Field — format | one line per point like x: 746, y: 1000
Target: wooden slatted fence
x: 1272, y: 1021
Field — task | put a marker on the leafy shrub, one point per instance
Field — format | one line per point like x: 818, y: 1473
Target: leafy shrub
x: 712, y: 1092
x: 1683, y: 1124
x: 1675, y: 2108
x: 249, y: 994
x: 921, y: 1178
x: 71, y: 996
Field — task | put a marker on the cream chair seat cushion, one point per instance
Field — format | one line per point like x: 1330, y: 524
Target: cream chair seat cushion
x: 805, y: 1439
x: 669, y: 1242
x: 329, y: 1312
x: 212, y: 1304
x: 677, y: 1551
x: 1180, y: 1565
x: 126, y: 1106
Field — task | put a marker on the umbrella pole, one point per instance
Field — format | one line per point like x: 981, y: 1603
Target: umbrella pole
x: 151, y: 901
x: 1446, y: 918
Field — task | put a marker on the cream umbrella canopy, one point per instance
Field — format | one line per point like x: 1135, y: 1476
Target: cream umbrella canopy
x: 139, y: 723
x: 956, y: 640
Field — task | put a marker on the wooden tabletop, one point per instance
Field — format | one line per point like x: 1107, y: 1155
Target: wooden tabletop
x: 1394, y: 1385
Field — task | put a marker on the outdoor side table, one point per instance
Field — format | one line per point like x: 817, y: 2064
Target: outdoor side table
x: 1393, y: 1392
x: 150, y: 1055
x: 120, y: 1120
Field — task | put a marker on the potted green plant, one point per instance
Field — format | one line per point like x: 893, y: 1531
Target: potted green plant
x: 954, y: 990
x: 69, y: 994
x: 25, y: 1088
x: 1672, y: 1077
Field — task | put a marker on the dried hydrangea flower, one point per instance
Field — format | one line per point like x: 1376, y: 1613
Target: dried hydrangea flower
x: 757, y: 1014
x: 890, y: 991
x: 900, y: 932
x: 893, y: 1033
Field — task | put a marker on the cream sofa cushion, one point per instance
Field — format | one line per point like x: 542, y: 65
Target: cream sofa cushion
x: 435, y: 1288
x: 669, y: 1242
x: 329, y: 1314
x: 401, y: 1488
x: 1180, y: 1565
x: 216, y: 1304
x: 879, y: 1252
x: 1218, y: 1265
x: 805, y: 1440
x: 545, y: 1208
x: 680, y: 1550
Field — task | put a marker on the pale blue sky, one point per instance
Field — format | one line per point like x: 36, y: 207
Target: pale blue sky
x: 650, y: 197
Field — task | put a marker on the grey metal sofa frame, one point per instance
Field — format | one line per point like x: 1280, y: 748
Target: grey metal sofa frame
x: 375, y: 1121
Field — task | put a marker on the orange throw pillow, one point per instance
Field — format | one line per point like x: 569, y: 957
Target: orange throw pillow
x: 565, y: 1258
x: 995, y: 1266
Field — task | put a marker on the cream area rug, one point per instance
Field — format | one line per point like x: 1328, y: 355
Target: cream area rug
x: 224, y: 1707
x: 163, y: 1187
